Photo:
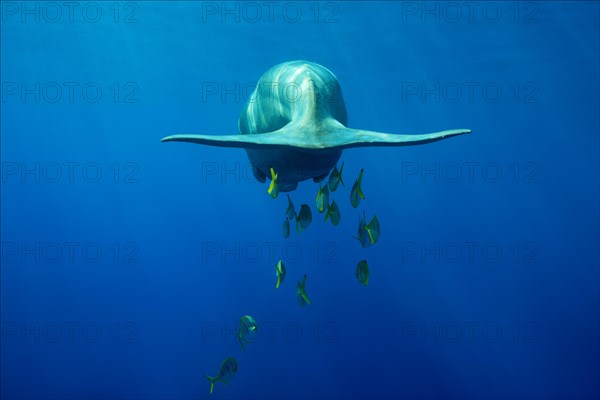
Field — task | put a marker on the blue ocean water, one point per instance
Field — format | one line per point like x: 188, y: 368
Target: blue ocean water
x: 127, y: 262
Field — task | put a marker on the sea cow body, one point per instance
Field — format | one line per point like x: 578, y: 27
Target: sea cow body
x: 295, y: 122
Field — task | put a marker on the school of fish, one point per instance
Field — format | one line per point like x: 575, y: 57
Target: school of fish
x: 367, y: 235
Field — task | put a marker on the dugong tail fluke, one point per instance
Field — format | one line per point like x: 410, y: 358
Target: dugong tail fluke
x: 338, y: 137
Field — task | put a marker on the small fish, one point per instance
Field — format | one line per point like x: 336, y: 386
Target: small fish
x: 356, y: 193
x: 368, y: 234
x: 280, y: 272
x: 336, y: 178
x: 333, y: 211
x: 226, y: 372
x: 286, y: 228
x: 363, y: 236
x: 246, y: 328
x: 373, y: 229
x: 362, y: 272
x: 301, y: 293
x: 303, y: 218
x: 274, y: 187
x: 291, y: 211
x: 322, y: 198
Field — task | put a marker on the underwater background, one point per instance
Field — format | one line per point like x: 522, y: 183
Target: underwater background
x: 127, y: 263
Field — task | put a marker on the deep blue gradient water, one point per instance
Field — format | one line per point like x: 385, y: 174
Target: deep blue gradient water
x: 127, y: 262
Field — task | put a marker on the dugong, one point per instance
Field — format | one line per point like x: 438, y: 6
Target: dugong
x: 295, y: 122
